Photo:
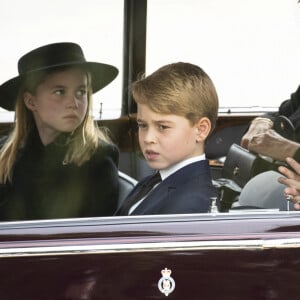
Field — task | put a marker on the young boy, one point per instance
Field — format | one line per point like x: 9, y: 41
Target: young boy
x: 177, y: 108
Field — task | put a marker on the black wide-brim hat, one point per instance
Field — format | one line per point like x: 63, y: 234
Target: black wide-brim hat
x: 54, y: 56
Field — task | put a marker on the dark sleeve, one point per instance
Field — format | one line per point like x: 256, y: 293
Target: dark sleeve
x: 103, y: 181
x: 113, y: 151
x: 291, y: 110
x: 297, y: 156
x: 4, y: 192
x: 289, y: 107
x: 5, y: 198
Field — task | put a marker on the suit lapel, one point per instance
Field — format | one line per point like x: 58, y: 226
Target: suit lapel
x: 168, y: 186
x: 160, y: 192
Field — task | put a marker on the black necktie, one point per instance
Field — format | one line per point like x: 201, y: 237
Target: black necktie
x: 140, y: 193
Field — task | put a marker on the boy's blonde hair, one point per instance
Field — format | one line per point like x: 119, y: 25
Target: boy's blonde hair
x: 81, y: 145
x: 181, y: 89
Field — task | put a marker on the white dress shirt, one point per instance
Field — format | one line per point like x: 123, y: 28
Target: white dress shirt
x: 169, y: 171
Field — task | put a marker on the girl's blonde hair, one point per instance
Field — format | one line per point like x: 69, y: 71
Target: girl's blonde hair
x: 81, y: 145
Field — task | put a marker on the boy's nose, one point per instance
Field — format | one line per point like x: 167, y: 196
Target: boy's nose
x: 149, y: 136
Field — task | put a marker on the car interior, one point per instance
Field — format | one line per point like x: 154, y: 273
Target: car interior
x: 133, y: 49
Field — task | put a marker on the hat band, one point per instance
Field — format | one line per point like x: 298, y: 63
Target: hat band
x: 54, y: 60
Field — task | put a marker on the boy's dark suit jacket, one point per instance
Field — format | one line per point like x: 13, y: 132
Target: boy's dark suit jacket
x: 188, y: 190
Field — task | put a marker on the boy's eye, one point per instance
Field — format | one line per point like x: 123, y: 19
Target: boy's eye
x: 141, y: 125
x: 163, y: 127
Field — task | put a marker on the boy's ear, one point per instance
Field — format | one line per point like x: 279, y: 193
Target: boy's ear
x: 203, y: 127
x: 28, y: 101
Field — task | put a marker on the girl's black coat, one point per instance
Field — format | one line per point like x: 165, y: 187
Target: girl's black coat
x: 44, y: 187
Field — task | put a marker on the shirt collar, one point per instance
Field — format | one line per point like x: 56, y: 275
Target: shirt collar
x: 167, y: 172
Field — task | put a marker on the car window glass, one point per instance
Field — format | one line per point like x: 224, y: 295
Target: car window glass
x: 249, y: 48
x: 97, y: 26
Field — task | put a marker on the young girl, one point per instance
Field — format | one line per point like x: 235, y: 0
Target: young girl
x: 56, y: 163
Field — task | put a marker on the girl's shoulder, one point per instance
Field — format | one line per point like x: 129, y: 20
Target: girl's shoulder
x: 106, y: 150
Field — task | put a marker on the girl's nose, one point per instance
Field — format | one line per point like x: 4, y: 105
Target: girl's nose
x: 73, y: 102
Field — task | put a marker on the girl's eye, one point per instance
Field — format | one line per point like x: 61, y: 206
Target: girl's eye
x: 59, y: 92
x: 81, y: 93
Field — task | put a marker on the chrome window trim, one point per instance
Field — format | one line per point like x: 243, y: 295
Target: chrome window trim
x: 116, y: 220
x: 259, y: 244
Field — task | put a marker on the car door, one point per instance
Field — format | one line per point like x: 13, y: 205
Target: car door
x: 205, y: 256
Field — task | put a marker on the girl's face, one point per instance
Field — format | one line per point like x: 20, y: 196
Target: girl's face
x: 166, y: 140
x: 59, y: 104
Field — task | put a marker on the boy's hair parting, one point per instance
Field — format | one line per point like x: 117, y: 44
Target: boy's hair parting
x: 182, y: 89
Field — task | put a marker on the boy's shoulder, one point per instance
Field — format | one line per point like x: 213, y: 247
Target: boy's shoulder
x: 195, y: 169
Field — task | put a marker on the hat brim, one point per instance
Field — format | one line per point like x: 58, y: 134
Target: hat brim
x: 102, y: 75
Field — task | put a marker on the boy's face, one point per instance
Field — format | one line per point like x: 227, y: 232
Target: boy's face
x: 168, y: 139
